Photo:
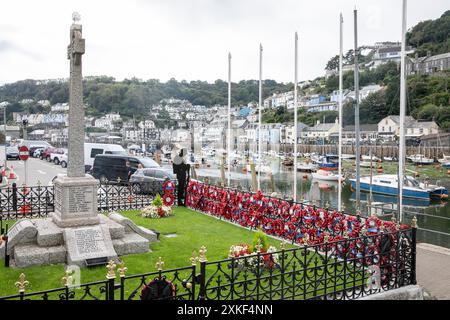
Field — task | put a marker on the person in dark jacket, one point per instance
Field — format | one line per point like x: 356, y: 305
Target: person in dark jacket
x: 182, y: 170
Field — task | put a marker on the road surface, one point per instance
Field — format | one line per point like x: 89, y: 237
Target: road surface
x: 38, y: 170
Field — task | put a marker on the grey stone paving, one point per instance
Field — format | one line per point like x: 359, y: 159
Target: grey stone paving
x: 433, y: 270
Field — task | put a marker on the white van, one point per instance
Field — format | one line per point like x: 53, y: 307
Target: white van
x: 93, y: 149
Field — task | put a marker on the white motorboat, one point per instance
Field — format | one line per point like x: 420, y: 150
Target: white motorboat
x: 389, y: 159
x: 420, y: 159
x: 348, y: 157
x: 325, y: 175
x: 367, y: 158
x: 306, y: 167
x: 367, y: 164
x: 445, y: 159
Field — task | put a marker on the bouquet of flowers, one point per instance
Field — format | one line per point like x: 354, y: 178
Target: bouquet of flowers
x: 157, y: 209
x: 246, y: 256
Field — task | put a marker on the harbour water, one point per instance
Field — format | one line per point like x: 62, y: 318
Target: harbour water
x: 433, y: 217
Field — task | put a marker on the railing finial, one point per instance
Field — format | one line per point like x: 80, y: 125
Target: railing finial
x: 22, y: 283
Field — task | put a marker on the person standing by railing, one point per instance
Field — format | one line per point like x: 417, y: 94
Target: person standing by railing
x: 182, y: 170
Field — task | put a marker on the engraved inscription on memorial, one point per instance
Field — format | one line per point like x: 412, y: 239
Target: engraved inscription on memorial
x: 89, y: 241
x: 58, y: 199
x: 80, y: 199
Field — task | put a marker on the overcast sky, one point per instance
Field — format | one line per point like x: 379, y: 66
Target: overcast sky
x: 190, y: 39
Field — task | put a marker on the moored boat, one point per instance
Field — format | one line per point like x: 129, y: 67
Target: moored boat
x: 325, y: 175
x: 388, y: 185
x: 306, y: 167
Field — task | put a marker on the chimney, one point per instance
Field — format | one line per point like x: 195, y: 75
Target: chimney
x: 416, y: 56
x: 318, y: 122
x: 428, y: 53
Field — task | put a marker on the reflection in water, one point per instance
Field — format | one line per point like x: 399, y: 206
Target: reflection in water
x: 433, y: 218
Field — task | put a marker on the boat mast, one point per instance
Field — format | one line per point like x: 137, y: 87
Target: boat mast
x: 401, y: 150
x: 358, y: 151
x: 295, y: 115
x: 229, y: 120
x: 259, y: 117
x: 341, y: 23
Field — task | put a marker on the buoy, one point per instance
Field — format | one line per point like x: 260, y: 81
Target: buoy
x: 380, y: 170
x: 305, y: 177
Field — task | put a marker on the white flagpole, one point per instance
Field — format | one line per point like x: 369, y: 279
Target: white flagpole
x: 295, y: 116
x: 229, y: 120
x: 357, y: 134
x: 401, y: 157
x: 259, y: 117
x: 341, y: 23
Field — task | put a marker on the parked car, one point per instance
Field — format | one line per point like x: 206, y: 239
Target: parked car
x: 30, y: 144
x: 12, y: 153
x: 56, y: 156
x: 37, y: 152
x: 93, y: 149
x: 110, y: 167
x: 151, y: 180
x: 63, y: 160
x: 45, y: 155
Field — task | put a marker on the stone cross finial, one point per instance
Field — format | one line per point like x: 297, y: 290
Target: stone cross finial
x: 22, y: 283
x: 159, y: 264
x: 76, y: 17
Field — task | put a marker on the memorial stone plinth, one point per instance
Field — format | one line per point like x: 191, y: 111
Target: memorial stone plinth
x: 75, y: 201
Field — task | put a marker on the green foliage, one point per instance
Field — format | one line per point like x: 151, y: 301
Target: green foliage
x: 262, y: 237
x: 133, y: 97
x: 431, y: 35
x: 157, y: 202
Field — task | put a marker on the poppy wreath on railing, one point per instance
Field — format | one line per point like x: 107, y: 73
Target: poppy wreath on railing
x: 169, y: 197
x: 299, y: 223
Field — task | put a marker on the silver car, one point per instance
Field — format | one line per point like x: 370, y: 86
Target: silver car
x: 151, y: 180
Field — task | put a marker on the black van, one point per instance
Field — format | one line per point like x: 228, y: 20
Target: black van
x: 110, y: 167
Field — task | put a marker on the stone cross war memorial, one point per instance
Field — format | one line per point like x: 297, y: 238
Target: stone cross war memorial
x: 75, y: 233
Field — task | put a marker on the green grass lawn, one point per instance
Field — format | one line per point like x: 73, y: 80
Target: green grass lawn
x: 193, y: 230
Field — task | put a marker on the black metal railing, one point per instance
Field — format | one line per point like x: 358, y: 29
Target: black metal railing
x: 335, y: 270
x: 38, y: 201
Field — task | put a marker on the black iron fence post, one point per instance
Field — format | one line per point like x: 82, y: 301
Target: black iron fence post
x: 202, y: 276
x: 14, y: 197
x: 413, y: 250
x: 111, y: 277
x: 6, y: 247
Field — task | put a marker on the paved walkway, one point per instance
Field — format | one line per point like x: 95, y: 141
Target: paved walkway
x: 433, y: 270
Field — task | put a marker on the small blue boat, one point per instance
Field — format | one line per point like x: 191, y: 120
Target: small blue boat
x: 388, y: 185
x: 328, y: 162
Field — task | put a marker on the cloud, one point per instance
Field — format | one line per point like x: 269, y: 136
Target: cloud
x: 9, y: 47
